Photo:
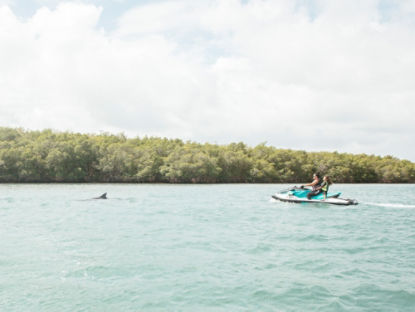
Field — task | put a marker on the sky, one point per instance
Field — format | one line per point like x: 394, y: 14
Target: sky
x: 314, y: 75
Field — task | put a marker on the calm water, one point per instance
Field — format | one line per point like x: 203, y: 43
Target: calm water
x: 204, y: 248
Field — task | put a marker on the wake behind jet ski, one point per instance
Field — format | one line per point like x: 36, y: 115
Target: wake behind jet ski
x: 299, y: 195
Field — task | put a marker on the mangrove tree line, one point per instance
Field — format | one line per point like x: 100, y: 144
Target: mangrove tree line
x: 50, y: 156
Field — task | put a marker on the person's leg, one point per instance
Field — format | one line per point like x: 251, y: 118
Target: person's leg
x: 313, y: 193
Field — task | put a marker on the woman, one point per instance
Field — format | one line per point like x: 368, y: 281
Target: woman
x: 315, y: 186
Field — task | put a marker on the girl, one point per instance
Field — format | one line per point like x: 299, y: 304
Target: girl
x: 325, y: 185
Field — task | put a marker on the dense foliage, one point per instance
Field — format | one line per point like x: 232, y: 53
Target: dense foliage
x: 48, y: 156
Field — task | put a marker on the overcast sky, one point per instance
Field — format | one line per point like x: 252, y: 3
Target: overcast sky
x: 307, y: 74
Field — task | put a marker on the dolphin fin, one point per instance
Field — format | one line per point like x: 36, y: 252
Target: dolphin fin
x: 103, y: 196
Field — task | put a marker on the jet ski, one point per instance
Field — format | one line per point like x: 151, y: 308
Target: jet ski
x: 299, y: 195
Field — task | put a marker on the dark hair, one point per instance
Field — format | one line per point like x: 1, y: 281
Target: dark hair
x: 317, y: 175
x: 329, y: 181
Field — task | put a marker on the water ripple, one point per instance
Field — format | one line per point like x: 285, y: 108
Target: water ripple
x: 204, y: 247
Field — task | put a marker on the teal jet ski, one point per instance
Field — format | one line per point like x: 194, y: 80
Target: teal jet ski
x: 299, y: 195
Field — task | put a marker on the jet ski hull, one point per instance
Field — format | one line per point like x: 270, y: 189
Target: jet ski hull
x: 331, y: 200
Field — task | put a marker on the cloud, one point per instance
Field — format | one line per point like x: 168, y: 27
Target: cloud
x: 6, y: 2
x: 331, y: 76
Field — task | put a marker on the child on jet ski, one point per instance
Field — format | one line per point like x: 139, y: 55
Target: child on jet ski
x: 325, y: 185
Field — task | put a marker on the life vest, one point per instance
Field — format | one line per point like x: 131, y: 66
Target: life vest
x: 324, y: 186
x: 319, y: 183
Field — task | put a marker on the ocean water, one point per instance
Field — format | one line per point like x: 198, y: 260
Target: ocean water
x: 154, y: 247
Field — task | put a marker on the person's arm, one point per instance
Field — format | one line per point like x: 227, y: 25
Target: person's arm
x: 312, y: 183
x: 321, y: 186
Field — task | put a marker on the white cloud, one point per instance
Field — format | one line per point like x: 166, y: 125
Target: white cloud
x: 6, y: 2
x: 218, y: 71
x: 159, y: 17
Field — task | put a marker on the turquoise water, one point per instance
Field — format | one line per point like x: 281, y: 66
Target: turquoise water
x: 204, y: 248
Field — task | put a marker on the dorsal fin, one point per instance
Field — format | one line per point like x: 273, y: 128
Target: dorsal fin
x: 103, y: 196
